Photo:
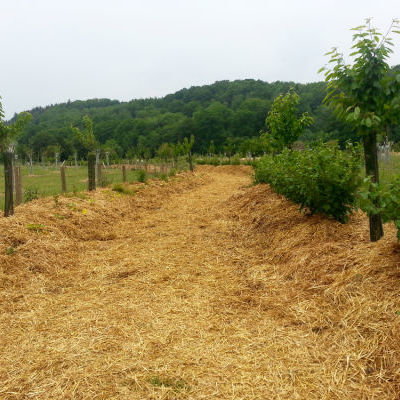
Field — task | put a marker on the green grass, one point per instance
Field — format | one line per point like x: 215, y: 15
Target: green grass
x: 47, y: 180
x: 390, y: 169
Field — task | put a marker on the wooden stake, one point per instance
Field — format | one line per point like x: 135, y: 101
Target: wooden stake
x: 91, y: 171
x: 63, y: 179
x: 124, y: 173
x: 99, y: 175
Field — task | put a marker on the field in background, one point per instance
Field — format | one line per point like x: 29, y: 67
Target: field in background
x: 389, y: 168
x: 46, y: 180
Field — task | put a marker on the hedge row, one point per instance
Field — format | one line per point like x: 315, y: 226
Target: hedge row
x: 322, y: 179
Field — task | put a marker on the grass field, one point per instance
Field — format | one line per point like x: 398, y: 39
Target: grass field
x: 46, y: 181
x: 390, y: 169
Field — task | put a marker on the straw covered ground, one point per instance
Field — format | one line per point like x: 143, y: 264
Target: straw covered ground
x: 202, y: 287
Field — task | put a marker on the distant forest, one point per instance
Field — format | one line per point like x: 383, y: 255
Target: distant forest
x: 225, y: 111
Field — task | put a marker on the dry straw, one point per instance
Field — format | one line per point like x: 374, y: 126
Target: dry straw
x: 197, y: 288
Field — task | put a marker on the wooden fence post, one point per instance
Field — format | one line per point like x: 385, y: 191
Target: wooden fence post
x: 99, y: 175
x: 92, y: 171
x: 63, y: 179
x: 18, y: 185
x: 8, y: 183
x: 124, y: 173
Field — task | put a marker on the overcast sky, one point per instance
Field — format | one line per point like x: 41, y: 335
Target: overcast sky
x: 55, y: 50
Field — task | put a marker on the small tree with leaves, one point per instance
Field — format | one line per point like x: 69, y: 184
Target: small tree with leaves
x: 86, y: 136
x: 366, y: 94
x: 283, y: 125
x: 88, y: 140
x: 8, y: 135
x: 187, y: 147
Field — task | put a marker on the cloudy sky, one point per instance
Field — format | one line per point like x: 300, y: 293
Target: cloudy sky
x: 55, y: 50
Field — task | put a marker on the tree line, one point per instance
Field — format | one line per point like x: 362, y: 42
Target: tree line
x: 225, y: 116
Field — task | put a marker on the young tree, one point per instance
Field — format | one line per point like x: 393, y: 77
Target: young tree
x: 86, y: 137
x: 8, y: 134
x: 283, y: 124
x: 187, y: 149
x: 366, y: 94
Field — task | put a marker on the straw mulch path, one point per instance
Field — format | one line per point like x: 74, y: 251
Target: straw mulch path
x: 199, y: 288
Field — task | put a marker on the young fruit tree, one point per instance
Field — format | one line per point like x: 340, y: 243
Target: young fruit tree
x: 283, y: 125
x: 366, y: 94
x: 88, y: 141
x: 187, y: 146
x: 8, y: 134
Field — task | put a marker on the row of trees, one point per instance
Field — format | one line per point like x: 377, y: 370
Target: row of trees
x: 234, y: 111
x: 365, y: 94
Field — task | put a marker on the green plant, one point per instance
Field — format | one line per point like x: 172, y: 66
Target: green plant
x: 158, y: 381
x: 31, y: 193
x: 366, y: 95
x: 35, y: 227
x: 187, y: 147
x: 388, y: 205
x: 323, y: 178
x: 8, y: 133
x: 56, y: 199
x: 172, y: 172
x: 10, y: 250
x: 283, y: 125
x: 121, y: 188
x: 142, y: 175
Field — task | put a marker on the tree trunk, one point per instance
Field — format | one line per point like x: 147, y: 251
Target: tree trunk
x: 99, y: 175
x: 372, y: 170
x: 91, y: 171
x: 8, y: 184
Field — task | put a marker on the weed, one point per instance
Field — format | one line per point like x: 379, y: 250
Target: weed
x: 142, y: 176
x: 172, y: 172
x: 56, y: 199
x: 121, y: 188
x: 31, y: 193
x: 168, y: 383
x: 72, y: 206
x: 59, y: 216
x: 36, y: 227
x: 10, y: 251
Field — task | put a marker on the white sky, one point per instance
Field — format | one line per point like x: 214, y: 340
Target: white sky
x: 55, y: 50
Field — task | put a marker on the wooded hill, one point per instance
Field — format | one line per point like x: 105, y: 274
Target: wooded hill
x: 216, y: 112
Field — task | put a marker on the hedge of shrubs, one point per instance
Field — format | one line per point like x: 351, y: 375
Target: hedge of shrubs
x: 322, y: 179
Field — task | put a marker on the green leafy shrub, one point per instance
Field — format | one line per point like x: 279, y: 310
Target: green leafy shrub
x: 172, y: 172
x: 31, y: 193
x: 389, y: 200
x: 142, y: 176
x: 322, y: 179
